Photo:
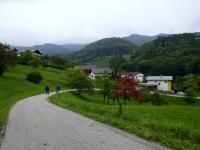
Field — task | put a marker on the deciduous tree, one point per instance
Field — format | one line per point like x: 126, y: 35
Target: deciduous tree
x: 7, y: 58
x: 126, y: 89
x: 79, y: 81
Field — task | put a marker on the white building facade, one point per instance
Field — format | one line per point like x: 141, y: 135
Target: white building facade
x: 134, y: 75
x: 163, y: 83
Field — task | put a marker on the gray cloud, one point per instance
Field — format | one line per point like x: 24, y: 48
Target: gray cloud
x: 28, y: 22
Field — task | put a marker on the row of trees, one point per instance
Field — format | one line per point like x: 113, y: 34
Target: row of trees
x: 126, y: 88
x: 27, y: 58
x: 7, y: 58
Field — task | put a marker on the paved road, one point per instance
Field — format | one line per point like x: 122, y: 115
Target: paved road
x: 36, y: 124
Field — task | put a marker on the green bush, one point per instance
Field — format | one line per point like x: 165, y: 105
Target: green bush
x: 156, y: 99
x: 190, y: 96
x: 98, y: 77
x: 34, y: 76
x: 45, y: 63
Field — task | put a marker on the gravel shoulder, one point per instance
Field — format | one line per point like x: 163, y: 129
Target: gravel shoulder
x: 36, y: 124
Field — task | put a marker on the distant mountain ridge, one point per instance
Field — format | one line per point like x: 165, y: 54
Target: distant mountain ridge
x: 139, y: 40
x: 52, y: 49
x: 136, y: 40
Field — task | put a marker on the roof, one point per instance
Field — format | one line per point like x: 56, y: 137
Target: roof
x: 37, y: 52
x: 86, y: 67
x: 101, y: 70
x: 132, y: 73
x: 159, y: 78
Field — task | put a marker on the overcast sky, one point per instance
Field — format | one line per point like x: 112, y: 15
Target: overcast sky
x: 29, y: 22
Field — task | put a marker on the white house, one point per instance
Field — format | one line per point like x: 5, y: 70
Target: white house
x: 134, y: 75
x: 164, y: 83
x: 92, y: 71
x: 99, y: 72
x: 37, y: 53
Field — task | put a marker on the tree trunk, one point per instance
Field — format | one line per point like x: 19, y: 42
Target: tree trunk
x: 113, y: 101
x: 118, y: 101
x: 104, y: 98
x: 125, y: 101
x: 120, y: 108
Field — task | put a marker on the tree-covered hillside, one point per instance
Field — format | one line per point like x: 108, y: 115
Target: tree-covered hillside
x: 139, y: 40
x: 104, y: 47
x: 175, y: 55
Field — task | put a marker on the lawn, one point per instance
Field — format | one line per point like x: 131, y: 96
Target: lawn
x: 14, y: 87
x: 175, y: 125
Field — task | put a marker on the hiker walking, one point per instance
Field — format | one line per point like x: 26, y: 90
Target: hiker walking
x: 47, y: 89
x: 57, y: 88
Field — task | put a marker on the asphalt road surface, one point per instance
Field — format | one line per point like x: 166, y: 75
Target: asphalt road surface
x: 36, y: 124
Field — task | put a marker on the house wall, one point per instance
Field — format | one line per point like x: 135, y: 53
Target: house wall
x: 162, y: 85
x: 169, y: 86
x: 139, y: 77
x: 92, y: 76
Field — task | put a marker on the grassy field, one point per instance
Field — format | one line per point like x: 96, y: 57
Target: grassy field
x: 175, y: 125
x: 14, y: 87
x: 104, y: 61
x: 100, y: 62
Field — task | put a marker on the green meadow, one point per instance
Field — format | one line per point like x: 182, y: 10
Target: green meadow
x: 175, y: 124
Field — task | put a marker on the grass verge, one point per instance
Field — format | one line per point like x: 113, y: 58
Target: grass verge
x: 174, y: 125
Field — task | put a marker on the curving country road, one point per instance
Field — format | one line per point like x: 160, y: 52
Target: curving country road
x: 36, y: 124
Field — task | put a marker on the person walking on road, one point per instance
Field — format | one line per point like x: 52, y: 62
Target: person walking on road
x: 57, y: 88
x: 47, y: 89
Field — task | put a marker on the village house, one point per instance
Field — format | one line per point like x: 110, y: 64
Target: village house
x: 35, y: 53
x: 162, y: 83
x: 99, y: 72
x: 134, y: 75
x: 93, y: 72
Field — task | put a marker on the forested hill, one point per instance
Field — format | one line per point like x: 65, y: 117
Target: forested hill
x: 172, y: 55
x: 139, y: 40
x: 104, y: 47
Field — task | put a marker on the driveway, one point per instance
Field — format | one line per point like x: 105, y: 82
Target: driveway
x: 36, y: 124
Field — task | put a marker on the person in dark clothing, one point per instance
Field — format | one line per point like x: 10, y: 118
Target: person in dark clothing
x: 47, y: 89
x: 57, y: 88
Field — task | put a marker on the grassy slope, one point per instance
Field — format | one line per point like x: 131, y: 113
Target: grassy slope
x: 104, y: 61
x: 14, y: 86
x: 175, y: 125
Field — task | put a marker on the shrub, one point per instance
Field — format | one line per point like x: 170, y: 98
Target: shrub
x: 45, y: 63
x: 156, y: 99
x: 35, y: 77
x: 190, y: 96
x: 35, y: 62
x: 98, y: 77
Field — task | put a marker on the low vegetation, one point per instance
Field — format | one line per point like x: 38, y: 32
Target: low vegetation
x: 175, y: 124
x: 34, y: 76
x: 76, y: 79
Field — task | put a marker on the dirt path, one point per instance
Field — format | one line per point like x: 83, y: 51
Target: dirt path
x: 36, y: 124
